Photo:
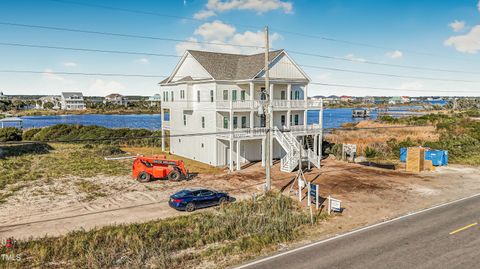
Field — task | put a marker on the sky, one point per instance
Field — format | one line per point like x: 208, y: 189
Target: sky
x: 429, y: 34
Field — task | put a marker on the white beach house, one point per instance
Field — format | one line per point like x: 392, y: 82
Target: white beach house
x: 219, y: 95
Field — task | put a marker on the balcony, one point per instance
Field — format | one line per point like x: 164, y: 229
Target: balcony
x: 276, y: 104
x: 297, y: 130
x: 256, y: 132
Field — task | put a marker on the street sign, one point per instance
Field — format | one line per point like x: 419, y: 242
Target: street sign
x: 335, y: 205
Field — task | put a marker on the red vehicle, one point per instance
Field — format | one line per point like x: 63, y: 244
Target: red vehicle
x: 146, y: 168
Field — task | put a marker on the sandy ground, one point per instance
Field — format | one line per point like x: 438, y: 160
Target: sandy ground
x: 368, y: 194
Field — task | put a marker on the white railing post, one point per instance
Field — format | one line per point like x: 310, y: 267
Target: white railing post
x: 317, y: 196
x: 309, y: 202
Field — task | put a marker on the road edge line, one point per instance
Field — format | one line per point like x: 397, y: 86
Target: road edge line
x: 355, y: 231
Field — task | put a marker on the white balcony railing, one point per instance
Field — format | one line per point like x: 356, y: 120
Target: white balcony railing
x: 241, y: 132
x: 277, y: 104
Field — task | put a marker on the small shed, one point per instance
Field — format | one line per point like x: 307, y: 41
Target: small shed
x: 11, y: 122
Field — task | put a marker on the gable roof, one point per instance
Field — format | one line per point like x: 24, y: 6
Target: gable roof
x: 227, y: 66
x: 67, y: 95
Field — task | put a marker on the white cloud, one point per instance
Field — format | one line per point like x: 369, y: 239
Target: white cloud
x: 352, y: 57
x: 457, y: 26
x: 204, y: 14
x: 394, y: 54
x: 260, y: 6
x: 49, y: 75
x: 143, y: 61
x: 468, y: 43
x: 323, y: 76
x: 415, y: 85
x: 478, y: 5
x: 218, y: 33
x: 70, y: 64
x: 101, y: 87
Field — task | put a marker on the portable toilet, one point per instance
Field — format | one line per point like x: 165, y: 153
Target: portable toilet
x: 403, y: 155
x: 438, y: 157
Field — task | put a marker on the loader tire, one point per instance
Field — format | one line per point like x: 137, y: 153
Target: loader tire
x: 143, y: 177
x: 174, y: 175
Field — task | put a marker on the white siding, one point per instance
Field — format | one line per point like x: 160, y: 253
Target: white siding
x: 284, y: 68
x: 190, y: 67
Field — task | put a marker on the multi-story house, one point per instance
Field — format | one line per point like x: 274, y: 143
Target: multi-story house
x: 116, y: 99
x: 72, y: 101
x: 222, y: 97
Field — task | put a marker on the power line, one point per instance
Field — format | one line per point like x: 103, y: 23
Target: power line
x: 382, y: 64
x: 164, y: 76
x: 279, y: 30
x: 176, y: 56
x: 388, y: 89
x: 124, y: 35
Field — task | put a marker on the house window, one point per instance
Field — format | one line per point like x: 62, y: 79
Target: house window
x: 234, y: 95
x: 263, y: 94
x: 297, y: 95
x: 184, y: 119
x: 182, y: 94
x: 244, y: 122
x: 225, y: 95
x: 242, y: 95
x: 203, y: 122
x: 262, y: 121
x: 225, y: 122
x: 202, y: 145
x: 235, y: 122
x: 282, y: 95
x: 179, y: 140
x: 166, y: 96
x: 172, y: 95
x: 282, y: 119
x: 198, y: 96
x: 211, y: 96
x: 296, y: 119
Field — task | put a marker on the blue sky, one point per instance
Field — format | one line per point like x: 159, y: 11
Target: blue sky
x: 406, y: 31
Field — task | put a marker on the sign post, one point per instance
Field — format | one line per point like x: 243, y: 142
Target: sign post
x: 316, y: 196
x: 309, y: 199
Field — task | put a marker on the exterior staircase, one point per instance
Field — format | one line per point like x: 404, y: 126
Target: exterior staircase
x: 293, y: 148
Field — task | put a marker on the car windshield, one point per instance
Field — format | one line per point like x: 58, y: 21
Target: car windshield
x: 182, y: 193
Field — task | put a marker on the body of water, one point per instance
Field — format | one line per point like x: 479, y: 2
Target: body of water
x: 332, y: 118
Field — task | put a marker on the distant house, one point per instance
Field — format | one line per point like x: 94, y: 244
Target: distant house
x: 346, y: 98
x: 155, y: 100
x: 332, y: 99
x: 116, y: 99
x: 72, y: 101
x: 405, y: 99
x: 56, y: 100
x: 368, y: 100
x: 399, y: 100
x: 3, y: 97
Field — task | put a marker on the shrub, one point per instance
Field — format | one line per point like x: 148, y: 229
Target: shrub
x: 389, y: 119
x: 30, y: 133
x: 10, y: 134
x: 109, y: 150
x: 370, y: 152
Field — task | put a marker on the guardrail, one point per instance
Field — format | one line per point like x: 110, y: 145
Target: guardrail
x: 242, y: 132
x: 254, y: 104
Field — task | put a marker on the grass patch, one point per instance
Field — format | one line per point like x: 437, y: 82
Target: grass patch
x: 60, y: 161
x: 91, y: 189
x: 221, y: 236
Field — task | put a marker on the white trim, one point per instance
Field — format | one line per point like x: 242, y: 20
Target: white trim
x: 355, y: 231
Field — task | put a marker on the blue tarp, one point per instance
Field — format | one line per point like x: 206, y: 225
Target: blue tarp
x: 438, y: 157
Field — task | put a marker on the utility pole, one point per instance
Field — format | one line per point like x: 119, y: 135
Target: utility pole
x: 267, y: 111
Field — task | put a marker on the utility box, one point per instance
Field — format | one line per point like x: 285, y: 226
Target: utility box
x: 415, y: 159
x: 403, y: 155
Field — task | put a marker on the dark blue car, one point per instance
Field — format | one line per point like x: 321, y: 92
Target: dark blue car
x: 191, y: 199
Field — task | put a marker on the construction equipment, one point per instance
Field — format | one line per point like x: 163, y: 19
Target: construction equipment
x: 159, y: 167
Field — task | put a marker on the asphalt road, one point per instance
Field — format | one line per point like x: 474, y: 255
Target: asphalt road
x: 444, y: 237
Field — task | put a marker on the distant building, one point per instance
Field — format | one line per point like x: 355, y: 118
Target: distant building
x: 368, y: 100
x: 155, y: 100
x: 72, y: 101
x: 332, y: 99
x: 3, y: 97
x: 56, y: 100
x: 116, y: 99
x: 346, y: 98
x: 399, y: 100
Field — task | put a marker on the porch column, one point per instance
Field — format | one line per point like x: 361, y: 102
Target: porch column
x: 305, y: 95
x: 163, y: 131
x: 238, y: 154
x: 252, y: 119
x: 289, y: 93
x: 252, y: 93
x: 289, y: 115
x: 231, y: 155
x: 263, y: 151
x: 305, y: 114
x: 231, y: 139
x: 315, y: 144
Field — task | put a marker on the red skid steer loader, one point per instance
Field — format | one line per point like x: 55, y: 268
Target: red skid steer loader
x: 159, y: 167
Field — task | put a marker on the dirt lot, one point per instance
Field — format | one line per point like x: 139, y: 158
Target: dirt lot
x: 368, y: 195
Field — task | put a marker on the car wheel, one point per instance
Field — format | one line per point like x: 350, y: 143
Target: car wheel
x: 222, y: 201
x: 190, y: 207
x: 174, y: 175
x: 143, y: 177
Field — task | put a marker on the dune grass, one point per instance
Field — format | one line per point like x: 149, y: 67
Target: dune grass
x: 218, y: 237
